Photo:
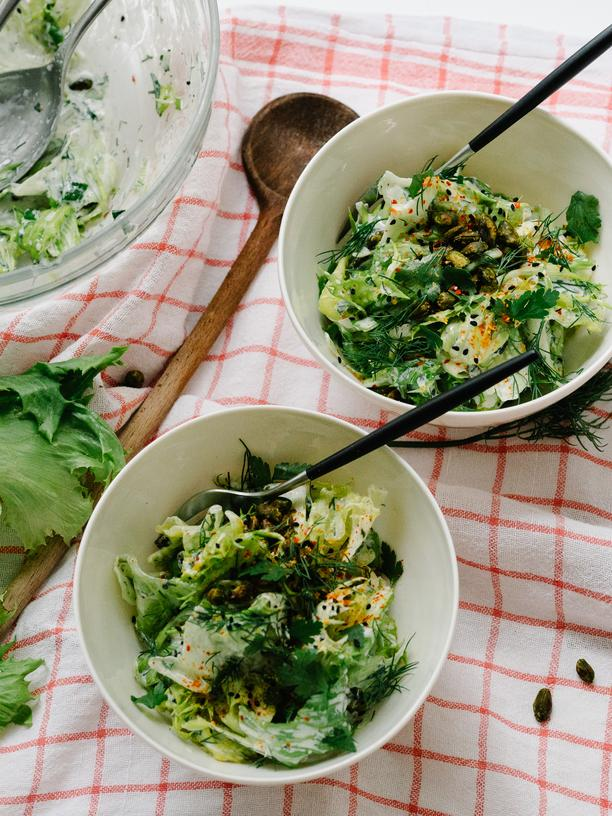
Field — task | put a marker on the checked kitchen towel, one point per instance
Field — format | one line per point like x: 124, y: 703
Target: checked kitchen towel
x: 532, y: 524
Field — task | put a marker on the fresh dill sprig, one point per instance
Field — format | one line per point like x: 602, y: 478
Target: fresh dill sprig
x: 359, y: 238
x: 570, y: 419
x: 381, y: 684
x: 555, y: 250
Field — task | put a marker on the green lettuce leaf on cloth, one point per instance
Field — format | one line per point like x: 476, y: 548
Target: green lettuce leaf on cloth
x: 14, y: 690
x: 54, y: 448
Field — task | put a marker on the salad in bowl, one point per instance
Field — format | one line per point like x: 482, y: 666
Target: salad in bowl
x: 269, y: 635
x: 440, y: 278
x: 325, y: 641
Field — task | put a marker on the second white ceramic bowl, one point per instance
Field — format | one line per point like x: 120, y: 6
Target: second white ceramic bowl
x: 540, y: 158
x: 186, y: 460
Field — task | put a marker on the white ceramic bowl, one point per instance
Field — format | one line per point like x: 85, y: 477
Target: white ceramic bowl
x: 186, y: 460
x: 540, y: 158
x: 154, y: 153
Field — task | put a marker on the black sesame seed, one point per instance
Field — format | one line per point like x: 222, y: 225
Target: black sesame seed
x: 455, y: 348
x: 476, y: 360
x: 473, y: 322
x: 594, y: 267
x: 465, y: 351
x: 512, y: 207
x: 392, y: 222
x: 515, y: 198
x: 448, y: 192
x: 500, y: 211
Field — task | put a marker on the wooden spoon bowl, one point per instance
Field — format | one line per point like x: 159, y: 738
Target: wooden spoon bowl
x: 284, y: 136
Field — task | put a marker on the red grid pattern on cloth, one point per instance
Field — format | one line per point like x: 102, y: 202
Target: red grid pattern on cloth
x: 531, y: 523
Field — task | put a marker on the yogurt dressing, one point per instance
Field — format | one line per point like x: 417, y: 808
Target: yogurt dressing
x: 90, y: 171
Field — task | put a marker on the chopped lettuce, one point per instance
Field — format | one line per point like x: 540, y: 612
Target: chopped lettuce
x: 55, y: 448
x: 439, y: 278
x: 268, y: 635
x: 73, y: 184
x: 165, y: 96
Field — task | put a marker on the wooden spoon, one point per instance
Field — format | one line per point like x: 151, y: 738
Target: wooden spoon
x: 280, y: 141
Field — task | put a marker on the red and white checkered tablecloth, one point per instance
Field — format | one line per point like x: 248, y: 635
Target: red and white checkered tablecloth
x: 531, y: 523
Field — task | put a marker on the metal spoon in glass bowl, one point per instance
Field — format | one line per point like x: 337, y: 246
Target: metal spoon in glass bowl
x: 195, y: 507
x: 31, y: 101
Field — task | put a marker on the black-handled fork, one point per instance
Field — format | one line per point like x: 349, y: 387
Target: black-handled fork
x: 547, y: 86
x: 237, y: 500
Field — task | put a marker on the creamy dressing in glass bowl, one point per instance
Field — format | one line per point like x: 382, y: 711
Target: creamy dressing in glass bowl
x: 144, y: 156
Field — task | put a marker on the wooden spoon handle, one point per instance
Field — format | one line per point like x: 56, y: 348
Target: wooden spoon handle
x: 31, y: 576
x: 142, y: 426
x: 163, y: 395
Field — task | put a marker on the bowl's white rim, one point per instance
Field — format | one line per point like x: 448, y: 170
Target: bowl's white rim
x: 284, y: 776
x: 458, y: 419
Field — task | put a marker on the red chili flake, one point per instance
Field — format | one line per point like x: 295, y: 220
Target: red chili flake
x: 188, y: 648
x: 394, y: 200
x: 410, y: 211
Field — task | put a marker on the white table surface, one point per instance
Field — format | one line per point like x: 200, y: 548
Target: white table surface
x: 585, y: 18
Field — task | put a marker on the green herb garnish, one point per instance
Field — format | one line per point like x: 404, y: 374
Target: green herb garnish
x: 583, y: 219
x: 15, y: 694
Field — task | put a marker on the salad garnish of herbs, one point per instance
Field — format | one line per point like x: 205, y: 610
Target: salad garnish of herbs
x: 440, y: 278
x: 268, y: 636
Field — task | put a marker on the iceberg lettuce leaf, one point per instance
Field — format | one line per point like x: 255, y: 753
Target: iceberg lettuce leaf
x: 55, y: 449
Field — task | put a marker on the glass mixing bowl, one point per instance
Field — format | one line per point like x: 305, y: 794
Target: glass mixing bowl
x: 154, y: 153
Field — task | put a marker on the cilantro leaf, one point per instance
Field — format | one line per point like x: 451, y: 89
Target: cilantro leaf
x: 389, y: 564
x: 532, y: 305
x: 256, y: 473
x: 303, y: 630
x: 154, y: 696
x: 14, y: 689
x: 285, y: 470
x: 267, y: 571
x: 304, y: 673
x: 583, y: 219
x: 340, y: 739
